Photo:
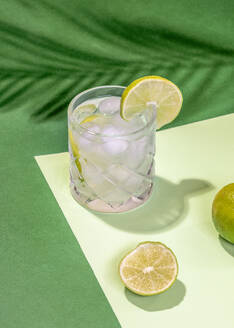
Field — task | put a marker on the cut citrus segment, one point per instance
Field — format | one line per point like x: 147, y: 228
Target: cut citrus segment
x: 90, y: 118
x: 74, y: 146
x: 152, y: 90
x: 151, y: 268
x: 75, y: 152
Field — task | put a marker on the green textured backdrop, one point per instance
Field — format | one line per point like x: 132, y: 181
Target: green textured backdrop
x: 49, y: 51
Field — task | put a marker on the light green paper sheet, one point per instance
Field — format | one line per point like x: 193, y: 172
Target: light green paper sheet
x: 192, y: 163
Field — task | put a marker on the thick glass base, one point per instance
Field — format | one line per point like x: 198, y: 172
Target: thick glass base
x: 101, y: 206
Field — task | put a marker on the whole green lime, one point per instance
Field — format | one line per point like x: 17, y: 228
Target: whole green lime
x: 223, y: 212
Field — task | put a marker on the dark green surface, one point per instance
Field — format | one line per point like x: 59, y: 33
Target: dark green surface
x: 45, y: 279
x: 49, y: 52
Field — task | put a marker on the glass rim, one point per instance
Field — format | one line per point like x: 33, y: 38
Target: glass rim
x: 98, y: 134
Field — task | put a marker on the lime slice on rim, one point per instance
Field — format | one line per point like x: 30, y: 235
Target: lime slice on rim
x: 151, y: 268
x: 152, y: 90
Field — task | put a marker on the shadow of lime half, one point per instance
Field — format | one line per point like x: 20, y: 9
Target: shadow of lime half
x: 167, y: 300
x: 228, y: 247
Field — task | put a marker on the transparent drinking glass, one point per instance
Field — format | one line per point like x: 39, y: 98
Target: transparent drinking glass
x: 110, y: 173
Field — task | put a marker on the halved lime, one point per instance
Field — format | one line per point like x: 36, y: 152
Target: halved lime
x: 151, y: 268
x: 223, y: 212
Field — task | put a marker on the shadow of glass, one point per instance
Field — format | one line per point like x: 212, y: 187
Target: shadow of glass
x: 167, y: 206
x: 167, y: 300
x: 228, y: 247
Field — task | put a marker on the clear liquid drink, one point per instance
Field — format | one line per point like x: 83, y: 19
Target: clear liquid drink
x: 111, y: 160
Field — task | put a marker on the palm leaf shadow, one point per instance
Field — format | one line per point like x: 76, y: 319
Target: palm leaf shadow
x: 42, y: 74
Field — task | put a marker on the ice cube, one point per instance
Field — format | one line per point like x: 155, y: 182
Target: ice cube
x: 110, y: 105
x: 115, y: 147
x: 110, y: 130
